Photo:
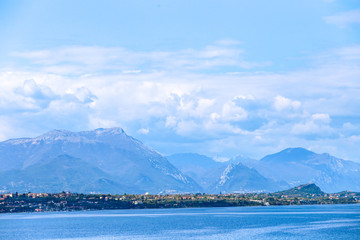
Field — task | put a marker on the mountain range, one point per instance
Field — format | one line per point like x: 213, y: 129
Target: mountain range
x: 110, y: 161
x: 106, y: 158
x: 299, y: 166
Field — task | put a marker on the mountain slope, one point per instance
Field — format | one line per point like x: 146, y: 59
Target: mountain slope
x: 111, y: 150
x: 299, y: 166
x: 63, y: 173
x: 239, y: 178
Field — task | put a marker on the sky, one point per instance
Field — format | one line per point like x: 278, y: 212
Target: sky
x: 220, y: 78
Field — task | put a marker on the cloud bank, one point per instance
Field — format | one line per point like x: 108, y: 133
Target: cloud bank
x: 201, y: 100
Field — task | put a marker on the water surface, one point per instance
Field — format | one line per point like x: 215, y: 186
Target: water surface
x: 283, y: 222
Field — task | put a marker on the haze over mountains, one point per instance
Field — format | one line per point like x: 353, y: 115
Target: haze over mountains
x: 110, y: 161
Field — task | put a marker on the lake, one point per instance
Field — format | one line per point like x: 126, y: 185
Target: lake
x: 280, y: 222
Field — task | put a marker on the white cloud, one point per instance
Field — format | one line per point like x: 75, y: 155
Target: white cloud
x: 204, y: 106
x: 218, y: 113
x: 170, y: 121
x: 185, y: 128
x: 97, y: 122
x: 349, y: 126
x: 282, y: 103
x: 344, y: 19
x: 221, y: 159
x: 355, y: 138
x: 131, y: 71
x: 6, y: 128
x: 243, y: 97
x: 228, y: 42
x: 76, y: 60
x: 232, y: 112
x: 317, y: 126
x: 321, y: 117
x: 32, y: 89
x: 83, y: 94
x: 351, y: 53
x: 144, y: 131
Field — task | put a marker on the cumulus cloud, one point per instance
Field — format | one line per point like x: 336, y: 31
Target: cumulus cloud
x: 315, y: 127
x: 35, y: 105
x: 194, y: 115
x: 32, y: 89
x: 231, y: 112
x: 171, y: 101
x: 83, y: 94
x: 35, y: 95
x: 144, y: 131
x: 186, y: 127
x: 282, y: 103
x: 321, y: 117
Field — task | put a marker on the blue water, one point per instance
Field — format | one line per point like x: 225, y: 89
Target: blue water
x: 283, y: 222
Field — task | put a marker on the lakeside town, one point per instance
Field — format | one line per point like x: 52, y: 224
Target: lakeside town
x: 66, y: 201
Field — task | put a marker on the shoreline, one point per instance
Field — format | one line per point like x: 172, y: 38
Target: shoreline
x: 171, y: 208
x: 71, y: 202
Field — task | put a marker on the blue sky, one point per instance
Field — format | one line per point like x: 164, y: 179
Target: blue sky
x: 220, y: 78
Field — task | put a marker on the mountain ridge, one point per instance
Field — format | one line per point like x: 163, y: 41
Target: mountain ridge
x: 123, y: 157
x: 126, y: 161
x: 299, y: 166
x: 239, y: 178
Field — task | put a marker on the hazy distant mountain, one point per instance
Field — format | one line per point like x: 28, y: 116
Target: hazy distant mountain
x: 239, y: 178
x: 125, y: 159
x: 201, y: 168
x: 298, y: 166
x: 108, y: 160
x: 215, y: 177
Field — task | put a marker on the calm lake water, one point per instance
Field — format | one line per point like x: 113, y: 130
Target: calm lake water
x: 284, y: 222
